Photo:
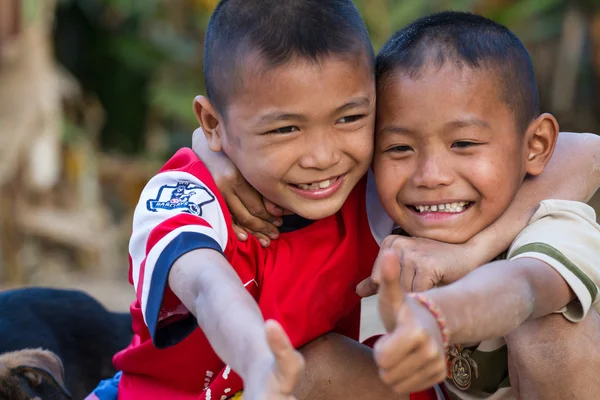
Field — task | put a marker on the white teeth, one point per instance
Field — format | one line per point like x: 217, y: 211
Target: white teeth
x: 324, y: 184
x: 447, y: 207
x: 317, y: 185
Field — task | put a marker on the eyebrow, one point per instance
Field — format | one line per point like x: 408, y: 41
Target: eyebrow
x: 277, y: 116
x: 392, y: 129
x: 355, y: 103
x: 463, y: 123
x: 449, y: 126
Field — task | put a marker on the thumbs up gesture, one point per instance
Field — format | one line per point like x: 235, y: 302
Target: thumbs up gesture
x: 411, y: 355
x: 277, y: 379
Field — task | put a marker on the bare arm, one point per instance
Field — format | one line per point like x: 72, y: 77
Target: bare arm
x: 573, y: 173
x: 212, y: 292
x: 233, y: 324
x: 487, y: 303
x: 498, y: 297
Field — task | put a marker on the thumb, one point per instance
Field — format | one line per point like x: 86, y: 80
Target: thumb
x: 289, y: 364
x: 273, y: 208
x: 391, y: 295
x: 367, y: 288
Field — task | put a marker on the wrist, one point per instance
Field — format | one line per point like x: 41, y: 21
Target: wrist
x: 480, y: 249
x: 437, y: 320
x: 257, y: 366
x: 256, y: 357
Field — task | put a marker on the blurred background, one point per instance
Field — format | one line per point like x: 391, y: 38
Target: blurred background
x: 95, y: 94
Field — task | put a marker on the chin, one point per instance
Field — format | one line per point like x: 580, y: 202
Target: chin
x: 318, y: 210
x: 442, y: 235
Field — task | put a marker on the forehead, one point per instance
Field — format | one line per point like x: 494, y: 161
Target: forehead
x: 301, y: 85
x: 443, y: 93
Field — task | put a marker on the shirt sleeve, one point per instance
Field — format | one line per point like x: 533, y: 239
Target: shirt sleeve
x: 565, y: 235
x: 179, y: 211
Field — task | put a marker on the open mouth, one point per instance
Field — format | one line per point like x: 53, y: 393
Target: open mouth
x: 318, y: 185
x: 454, y: 207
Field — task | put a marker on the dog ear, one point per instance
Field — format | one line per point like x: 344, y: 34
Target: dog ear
x: 37, y: 366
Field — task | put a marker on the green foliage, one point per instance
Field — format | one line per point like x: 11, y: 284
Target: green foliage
x: 158, y: 45
x: 531, y: 19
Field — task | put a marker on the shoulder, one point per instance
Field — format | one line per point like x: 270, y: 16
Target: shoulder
x: 183, y: 184
x: 565, y: 235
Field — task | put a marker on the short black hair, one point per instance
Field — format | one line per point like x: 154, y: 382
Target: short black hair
x: 465, y: 39
x: 277, y: 30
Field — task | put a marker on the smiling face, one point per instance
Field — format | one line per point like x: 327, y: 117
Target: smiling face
x: 302, y: 133
x: 448, y: 156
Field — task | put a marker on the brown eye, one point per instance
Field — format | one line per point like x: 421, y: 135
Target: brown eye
x: 285, y: 129
x: 463, y: 144
x: 349, y: 119
x: 400, y: 149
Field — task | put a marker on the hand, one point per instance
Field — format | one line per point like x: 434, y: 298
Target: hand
x: 246, y: 205
x: 425, y: 264
x: 411, y: 357
x: 277, y: 377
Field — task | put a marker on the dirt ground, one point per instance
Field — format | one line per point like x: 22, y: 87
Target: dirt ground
x: 118, y: 294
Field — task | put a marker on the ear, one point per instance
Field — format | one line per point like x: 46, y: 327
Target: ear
x: 540, y: 138
x: 37, y: 366
x: 210, y: 121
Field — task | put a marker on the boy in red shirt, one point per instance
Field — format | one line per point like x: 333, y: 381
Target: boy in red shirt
x: 201, y: 294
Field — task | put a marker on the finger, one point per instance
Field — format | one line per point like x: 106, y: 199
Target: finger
x: 367, y: 288
x: 379, y: 261
x: 423, y: 281
x: 262, y: 239
x: 289, y: 363
x: 248, y: 221
x: 391, y: 296
x: 242, y: 235
x: 390, y: 242
x: 274, y: 210
x: 397, y: 346
x: 254, y: 202
x: 422, y: 379
x: 407, y: 276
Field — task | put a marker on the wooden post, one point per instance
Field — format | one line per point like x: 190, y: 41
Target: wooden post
x: 11, y: 240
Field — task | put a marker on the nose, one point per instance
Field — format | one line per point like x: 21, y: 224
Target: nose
x: 433, y: 171
x: 322, y: 151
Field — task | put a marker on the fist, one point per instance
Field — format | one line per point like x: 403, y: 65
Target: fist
x: 411, y: 356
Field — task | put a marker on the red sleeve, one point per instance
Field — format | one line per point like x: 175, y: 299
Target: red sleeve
x: 180, y: 210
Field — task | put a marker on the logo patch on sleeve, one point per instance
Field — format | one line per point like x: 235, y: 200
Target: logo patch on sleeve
x: 184, y: 196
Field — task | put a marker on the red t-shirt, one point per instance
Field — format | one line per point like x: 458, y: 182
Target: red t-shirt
x: 305, y: 280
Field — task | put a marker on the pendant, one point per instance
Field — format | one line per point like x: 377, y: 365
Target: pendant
x: 462, y: 375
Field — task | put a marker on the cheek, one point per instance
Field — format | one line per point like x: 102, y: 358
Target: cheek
x: 262, y: 167
x: 359, y: 145
x: 273, y: 165
x: 495, y: 178
x: 390, y: 177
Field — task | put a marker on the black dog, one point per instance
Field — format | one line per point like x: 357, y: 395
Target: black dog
x: 72, y: 325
